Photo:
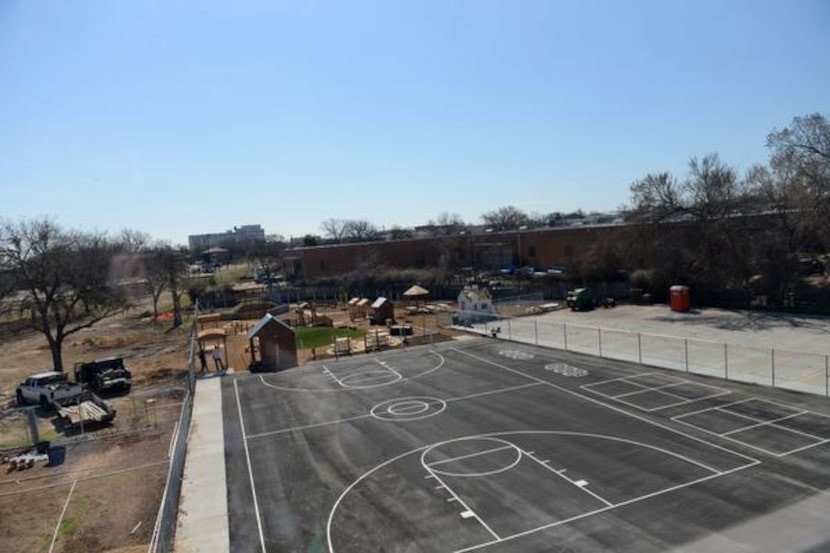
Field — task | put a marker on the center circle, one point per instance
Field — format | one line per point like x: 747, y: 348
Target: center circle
x: 410, y: 407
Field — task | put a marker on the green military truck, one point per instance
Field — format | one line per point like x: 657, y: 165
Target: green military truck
x: 104, y: 375
x: 579, y: 300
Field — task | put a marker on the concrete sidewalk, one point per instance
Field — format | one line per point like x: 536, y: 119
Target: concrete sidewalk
x: 203, y: 507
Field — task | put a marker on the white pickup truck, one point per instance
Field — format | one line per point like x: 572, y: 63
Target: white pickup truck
x: 46, y: 388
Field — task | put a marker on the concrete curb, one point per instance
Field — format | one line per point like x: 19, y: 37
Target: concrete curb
x: 203, y: 507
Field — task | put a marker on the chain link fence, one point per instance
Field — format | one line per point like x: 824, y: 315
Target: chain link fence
x: 778, y: 368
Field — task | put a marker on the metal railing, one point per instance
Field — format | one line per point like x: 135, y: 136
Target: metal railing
x: 165, y: 526
x: 775, y: 367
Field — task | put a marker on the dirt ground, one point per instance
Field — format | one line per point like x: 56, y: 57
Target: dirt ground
x: 107, y: 481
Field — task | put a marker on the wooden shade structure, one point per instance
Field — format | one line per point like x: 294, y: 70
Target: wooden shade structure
x: 213, y: 335
x: 416, y: 292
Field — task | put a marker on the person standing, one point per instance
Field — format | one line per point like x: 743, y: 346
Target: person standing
x: 203, y: 360
x: 217, y: 359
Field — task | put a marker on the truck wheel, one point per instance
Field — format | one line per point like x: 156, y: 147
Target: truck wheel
x: 20, y: 399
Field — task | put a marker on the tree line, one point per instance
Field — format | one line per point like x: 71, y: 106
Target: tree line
x: 738, y: 237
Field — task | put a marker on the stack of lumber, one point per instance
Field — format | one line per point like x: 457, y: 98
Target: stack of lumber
x: 86, y: 411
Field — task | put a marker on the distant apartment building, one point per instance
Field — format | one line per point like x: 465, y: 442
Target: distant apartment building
x: 244, y: 234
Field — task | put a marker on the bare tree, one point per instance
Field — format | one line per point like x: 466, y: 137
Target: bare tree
x: 360, y: 230
x: 505, y: 218
x: 155, y: 273
x: 133, y: 241
x: 696, y: 232
x: 655, y: 197
x: 448, y: 224
x: 800, y: 162
x: 173, y: 264
x: 64, y: 277
x: 335, y: 229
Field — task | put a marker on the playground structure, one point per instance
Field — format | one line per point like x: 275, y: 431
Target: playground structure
x: 307, y: 315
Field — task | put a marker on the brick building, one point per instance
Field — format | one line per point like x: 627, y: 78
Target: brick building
x: 547, y: 247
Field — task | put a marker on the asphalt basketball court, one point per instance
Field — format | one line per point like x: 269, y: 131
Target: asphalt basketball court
x: 488, y: 445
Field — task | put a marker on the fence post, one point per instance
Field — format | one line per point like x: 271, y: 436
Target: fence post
x: 826, y: 375
x: 599, y: 341
x: 686, y: 352
x: 772, y: 364
x: 536, y: 332
x: 509, y: 330
x: 565, y: 331
x: 639, y: 348
x: 725, y: 363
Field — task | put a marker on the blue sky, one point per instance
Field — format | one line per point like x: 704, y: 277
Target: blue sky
x: 186, y: 117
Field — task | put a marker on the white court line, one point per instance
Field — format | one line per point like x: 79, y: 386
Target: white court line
x: 361, y: 380
x: 808, y: 446
x: 250, y: 472
x: 684, y: 401
x: 307, y: 426
x: 724, y: 409
x: 368, y: 415
x: 604, y: 509
x: 460, y: 501
x: 361, y: 368
x: 653, y: 389
x: 619, y: 378
x: 350, y: 388
x: 608, y: 406
x: 662, y: 389
x: 679, y: 382
x: 499, y: 391
x: 60, y: 519
x: 772, y: 402
x: 794, y: 431
x: 561, y: 475
x: 689, y: 400
x: 470, y: 455
x: 691, y: 413
x: 342, y: 380
x: 759, y: 422
x: 756, y: 447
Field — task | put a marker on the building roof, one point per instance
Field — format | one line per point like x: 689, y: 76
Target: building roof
x: 211, y: 334
x: 354, y: 301
x: 263, y: 322
x: 363, y: 302
x: 379, y: 302
x: 476, y: 294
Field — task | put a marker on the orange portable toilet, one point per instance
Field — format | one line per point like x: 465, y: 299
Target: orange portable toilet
x: 679, y: 298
